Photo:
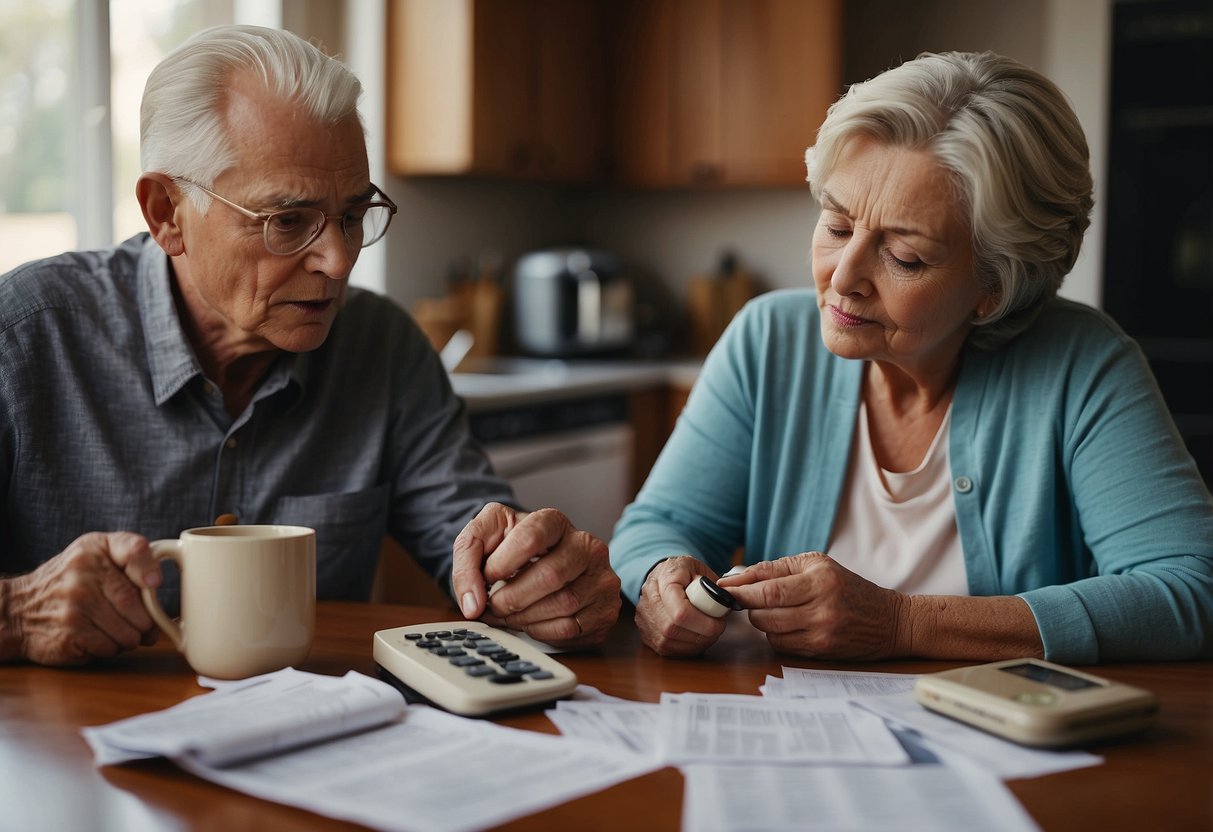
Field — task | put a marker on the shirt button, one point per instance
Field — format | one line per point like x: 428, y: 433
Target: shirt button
x: 208, y: 388
x: 230, y: 443
x: 964, y: 485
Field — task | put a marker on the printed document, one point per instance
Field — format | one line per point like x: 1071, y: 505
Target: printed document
x: 1000, y: 757
x: 724, y: 798
x: 700, y: 727
x: 262, y: 715
x: 350, y: 748
x: 431, y: 772
x: 802, y: 683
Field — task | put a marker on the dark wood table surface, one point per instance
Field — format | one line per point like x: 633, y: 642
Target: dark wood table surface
x: 1162, y: 779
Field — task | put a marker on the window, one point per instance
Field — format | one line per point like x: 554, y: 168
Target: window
x: 69, y: 141
x: 69, y: 147
x: 35, y: 120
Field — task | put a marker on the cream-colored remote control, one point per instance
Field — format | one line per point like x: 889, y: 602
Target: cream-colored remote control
x: 470, y: 668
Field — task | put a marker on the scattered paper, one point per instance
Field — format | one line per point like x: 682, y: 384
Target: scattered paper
x: 801, y: 683
x: 1000, y: 757
x: 629, y: 726
x: 431, y: 772
x: 263, y: 715
x: 824, y: 749
x: 730, y: 798
x: 698, y: 727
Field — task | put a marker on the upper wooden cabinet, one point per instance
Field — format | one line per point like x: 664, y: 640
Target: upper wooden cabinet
x: 505, y: 88
x: 646, y: 93
x: 722, y: 92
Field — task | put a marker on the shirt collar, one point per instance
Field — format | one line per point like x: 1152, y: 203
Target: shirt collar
x: 170, y: 357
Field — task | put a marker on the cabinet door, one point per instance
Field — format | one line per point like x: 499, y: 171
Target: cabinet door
x: 642, y: 67
x: 697, y: 115
x: 503, y: 88
x: 780, y: 71
x: 503, y: 103
x: 570, y: 138
x: 723, y: 92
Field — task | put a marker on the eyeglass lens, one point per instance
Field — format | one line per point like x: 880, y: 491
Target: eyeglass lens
x: 289, y: 231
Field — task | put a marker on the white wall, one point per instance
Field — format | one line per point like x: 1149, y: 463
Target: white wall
x: 444, y: 220
x: 680, y: 234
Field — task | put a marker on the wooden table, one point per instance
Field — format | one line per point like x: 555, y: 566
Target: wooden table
x: 1162, y: 779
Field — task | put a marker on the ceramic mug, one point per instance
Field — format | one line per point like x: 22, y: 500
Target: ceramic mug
x: 248, y: 598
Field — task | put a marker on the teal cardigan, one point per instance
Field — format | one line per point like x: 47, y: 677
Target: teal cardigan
x: 1072, y: 487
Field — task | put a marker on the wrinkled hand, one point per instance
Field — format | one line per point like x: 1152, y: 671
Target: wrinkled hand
x: 669, y: 624
x: 810, y: 605
x: 559, y: 588
x: 84, y: 603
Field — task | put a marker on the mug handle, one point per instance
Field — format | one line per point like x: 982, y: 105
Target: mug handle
x: 162, y: 549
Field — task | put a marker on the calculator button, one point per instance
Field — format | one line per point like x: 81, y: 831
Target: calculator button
x: 480, y: 670
x: 504, y: 657
x: 505, y: 678
x: 540, y: 675
x: 467, y: 661
x: 412, y: 636
x: 429, y: 643
x: 518, y: 666
x: 490, y: 650
x: 450, y: 651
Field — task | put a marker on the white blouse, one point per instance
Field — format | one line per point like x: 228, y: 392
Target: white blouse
x: 899, y: 530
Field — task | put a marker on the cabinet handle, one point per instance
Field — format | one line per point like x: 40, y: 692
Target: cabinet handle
x: 519, y: 157
x: 704, y: 173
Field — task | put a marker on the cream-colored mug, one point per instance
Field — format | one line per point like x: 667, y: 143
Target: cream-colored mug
x: 248, y: 598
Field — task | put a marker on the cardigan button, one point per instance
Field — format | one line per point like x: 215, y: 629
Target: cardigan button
x: 964, y: 485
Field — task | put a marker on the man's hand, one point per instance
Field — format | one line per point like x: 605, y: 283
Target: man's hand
x: 559, y: 586
x: 669, y: 624
x: 82, y: 604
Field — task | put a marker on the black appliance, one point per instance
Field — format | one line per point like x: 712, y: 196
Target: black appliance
x: 1159, y: 245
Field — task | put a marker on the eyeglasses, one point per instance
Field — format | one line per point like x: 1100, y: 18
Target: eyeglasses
x: 294, y: 229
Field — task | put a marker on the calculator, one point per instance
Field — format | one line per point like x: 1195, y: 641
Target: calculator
x: 470, y: 668
x: 1037, y: 703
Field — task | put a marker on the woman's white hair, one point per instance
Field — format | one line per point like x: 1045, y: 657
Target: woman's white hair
x: 181, y: 131
x: 1018, y: 160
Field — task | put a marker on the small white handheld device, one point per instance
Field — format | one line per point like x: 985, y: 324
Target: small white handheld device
x: 1037, y: 703
x: 470, y: 668
x: 710, y: 599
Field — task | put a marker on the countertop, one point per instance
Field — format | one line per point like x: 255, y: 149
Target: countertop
x: 499, y: 383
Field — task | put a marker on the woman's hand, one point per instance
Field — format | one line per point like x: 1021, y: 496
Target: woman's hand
x: 667, y: 621
x: 810, y: 605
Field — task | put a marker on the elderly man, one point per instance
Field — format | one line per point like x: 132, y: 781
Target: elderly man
x: 221, y: 363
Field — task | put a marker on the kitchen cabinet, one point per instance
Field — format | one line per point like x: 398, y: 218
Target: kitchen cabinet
x: 722, y: 92
x: 500, y: 88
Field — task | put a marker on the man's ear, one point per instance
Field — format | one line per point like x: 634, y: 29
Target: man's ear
x: 158, y: 197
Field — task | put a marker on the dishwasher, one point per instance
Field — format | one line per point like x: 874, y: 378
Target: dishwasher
x: 575, y: 456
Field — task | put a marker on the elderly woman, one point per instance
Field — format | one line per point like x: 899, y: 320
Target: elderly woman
x: 968, y: 466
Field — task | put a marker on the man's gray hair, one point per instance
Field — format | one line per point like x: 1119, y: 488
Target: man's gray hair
x: 1018, y: 160
x: 181, y: 131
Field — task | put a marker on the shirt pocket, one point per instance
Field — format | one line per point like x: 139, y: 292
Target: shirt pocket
x: 349, y: 534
